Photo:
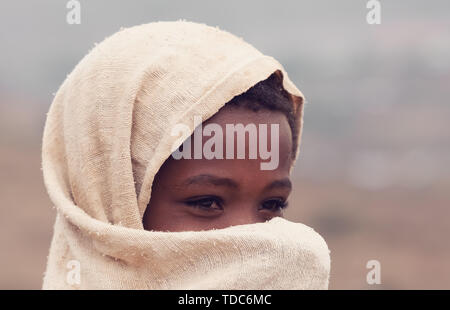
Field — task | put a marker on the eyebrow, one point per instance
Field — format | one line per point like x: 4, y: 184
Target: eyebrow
x: 203, y: 179
x: 283, y: 183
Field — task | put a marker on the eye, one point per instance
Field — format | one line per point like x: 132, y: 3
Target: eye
x: 274, y: 204
x: 208, y: 203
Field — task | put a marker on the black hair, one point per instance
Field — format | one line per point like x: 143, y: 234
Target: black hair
x: 269, y: 94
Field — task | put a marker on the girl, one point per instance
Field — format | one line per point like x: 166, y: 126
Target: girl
x: 134, y: 214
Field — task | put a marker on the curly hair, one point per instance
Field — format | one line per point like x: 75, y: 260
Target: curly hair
x: 269, y: 94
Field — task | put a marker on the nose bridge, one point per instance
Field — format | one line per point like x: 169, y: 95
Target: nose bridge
x: 244, y: 213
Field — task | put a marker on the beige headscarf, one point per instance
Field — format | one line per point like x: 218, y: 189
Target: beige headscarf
x: 106, y: 135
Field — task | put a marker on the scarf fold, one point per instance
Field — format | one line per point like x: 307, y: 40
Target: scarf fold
x: 107, y: 134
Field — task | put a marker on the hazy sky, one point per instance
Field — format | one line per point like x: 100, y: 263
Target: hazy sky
x: 371, y: 89
x: 315, y: 40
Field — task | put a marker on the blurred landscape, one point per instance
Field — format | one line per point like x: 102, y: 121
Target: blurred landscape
x: 373, y: 177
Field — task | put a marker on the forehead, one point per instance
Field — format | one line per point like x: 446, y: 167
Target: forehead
x: 235, y: 114
x: 266, y: 122
x: 242, y: 169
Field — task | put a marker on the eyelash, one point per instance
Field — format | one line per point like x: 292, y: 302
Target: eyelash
x: 280, y: 203
x: 200, y: 203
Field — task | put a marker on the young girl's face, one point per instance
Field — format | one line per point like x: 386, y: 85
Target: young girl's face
x: 202, y: 194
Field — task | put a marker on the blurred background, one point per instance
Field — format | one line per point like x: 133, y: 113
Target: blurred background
x: 373, y: 177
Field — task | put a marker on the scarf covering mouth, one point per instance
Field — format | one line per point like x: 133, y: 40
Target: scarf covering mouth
x: 106, y: 135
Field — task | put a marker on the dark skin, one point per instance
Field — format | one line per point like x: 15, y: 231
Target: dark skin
x: 202, y: 194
